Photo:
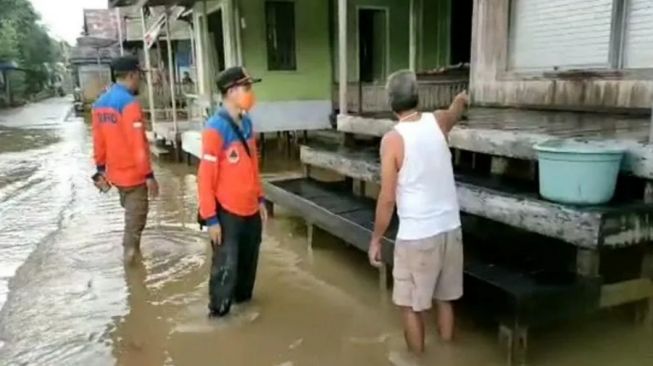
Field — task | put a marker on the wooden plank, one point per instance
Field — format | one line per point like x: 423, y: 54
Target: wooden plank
x: 338, y: 225
x: 513, y: 133
x: 586, y: 227
x: 626, y: 292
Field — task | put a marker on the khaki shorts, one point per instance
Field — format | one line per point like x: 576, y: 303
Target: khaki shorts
x: 428, y: 269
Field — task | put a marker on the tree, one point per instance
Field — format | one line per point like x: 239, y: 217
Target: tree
x: 24, y: 40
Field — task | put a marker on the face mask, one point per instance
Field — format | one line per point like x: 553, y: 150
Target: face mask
x: 247, y: 101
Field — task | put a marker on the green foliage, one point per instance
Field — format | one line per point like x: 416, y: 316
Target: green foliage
x: 24, y: 40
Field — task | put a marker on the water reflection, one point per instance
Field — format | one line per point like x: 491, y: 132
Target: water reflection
x: 71, y: 301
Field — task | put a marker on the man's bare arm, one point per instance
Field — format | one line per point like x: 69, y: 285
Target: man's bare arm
x: 391, y: 146
x: 447, y: 118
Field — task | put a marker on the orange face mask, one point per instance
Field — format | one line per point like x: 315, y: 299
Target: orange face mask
x: 247, y: 100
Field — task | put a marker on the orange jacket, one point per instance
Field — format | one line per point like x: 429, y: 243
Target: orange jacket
x: 227, y: 175
x: 120, y: 147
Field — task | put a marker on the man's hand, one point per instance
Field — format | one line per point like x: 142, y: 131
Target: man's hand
x: 101, y: 183
x: 462, y: 97
x: 263, y: 211
x: 215, y: 233
x: 374, y: 253
x: 152, y: 187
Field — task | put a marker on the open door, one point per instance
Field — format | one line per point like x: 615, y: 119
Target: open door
x: 216, y: 39
x: 372, y: 45
x: 461, y: 31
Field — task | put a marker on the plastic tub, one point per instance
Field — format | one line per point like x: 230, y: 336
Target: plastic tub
x: 578, y: 172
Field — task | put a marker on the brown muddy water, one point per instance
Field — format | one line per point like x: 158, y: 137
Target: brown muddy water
x: 67, y: 299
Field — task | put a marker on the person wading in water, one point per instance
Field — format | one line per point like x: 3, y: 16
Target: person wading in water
x: 417, y: 174
x: 121, y: 151
x: 231, y: 199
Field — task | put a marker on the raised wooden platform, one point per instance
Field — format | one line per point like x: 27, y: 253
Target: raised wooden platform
x: 516, y: 299
x: 512, y: 133
x: 619, y: 224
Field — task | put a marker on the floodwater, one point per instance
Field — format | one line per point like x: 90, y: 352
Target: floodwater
x: 67, y: 299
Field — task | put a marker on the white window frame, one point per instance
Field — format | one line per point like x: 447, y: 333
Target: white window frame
x: 615, y: 66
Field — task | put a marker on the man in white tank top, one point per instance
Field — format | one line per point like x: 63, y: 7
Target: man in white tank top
x: 417, y: 175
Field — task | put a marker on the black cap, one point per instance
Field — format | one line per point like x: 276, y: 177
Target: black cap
x: 234, y: 76
x: 125, y: 64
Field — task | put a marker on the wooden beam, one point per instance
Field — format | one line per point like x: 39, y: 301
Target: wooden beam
x: 171, y: 76
x: 584, y: 227
x: 507, y: 142
x: 626, y: 292
x: 412, y: 29
x: 148, y: 72
x: 342, y: 55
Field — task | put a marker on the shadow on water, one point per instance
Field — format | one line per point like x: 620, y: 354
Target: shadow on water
x: 72, y: 302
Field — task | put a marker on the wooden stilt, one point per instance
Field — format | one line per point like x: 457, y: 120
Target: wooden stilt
x: 310, y: 232
x: 588, y: 262
x: 514, y: 338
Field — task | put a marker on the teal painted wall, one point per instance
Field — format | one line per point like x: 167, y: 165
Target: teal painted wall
x: 312, y: 79
x: 433, y: 37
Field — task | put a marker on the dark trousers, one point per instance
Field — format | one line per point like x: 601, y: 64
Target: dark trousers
x: 233, y: 268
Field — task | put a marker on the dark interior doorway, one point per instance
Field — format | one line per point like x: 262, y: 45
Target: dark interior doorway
x: 461, y: 31
x: 216, y: 33
x: 372, y: 45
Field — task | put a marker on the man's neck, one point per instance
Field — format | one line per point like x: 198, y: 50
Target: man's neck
x: 233, y: 112
x: 409, y: 116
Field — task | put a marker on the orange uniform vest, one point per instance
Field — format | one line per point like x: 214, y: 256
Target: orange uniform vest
x: 120, y: 147
x: 227, y: 175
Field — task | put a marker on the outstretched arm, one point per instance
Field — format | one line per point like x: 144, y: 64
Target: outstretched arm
x: 447, y: 118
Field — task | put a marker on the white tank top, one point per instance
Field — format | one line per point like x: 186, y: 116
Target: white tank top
x: 427, y: 203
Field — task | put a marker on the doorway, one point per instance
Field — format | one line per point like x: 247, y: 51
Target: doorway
x: 372, y: 44
x: 216, y: 39
x: 461, y: 31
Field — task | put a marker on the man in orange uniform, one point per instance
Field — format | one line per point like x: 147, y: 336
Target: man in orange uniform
x: 121, y: 150
x: 230, y: 194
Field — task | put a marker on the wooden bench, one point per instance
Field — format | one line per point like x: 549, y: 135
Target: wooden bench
x: 517, y: 299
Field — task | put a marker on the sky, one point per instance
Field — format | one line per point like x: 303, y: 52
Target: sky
x: 65, y: 22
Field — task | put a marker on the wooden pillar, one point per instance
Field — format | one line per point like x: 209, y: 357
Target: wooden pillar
x: 207, y: 68
x: 342, y: 55
x: 119, y: 22
x: 514, y: 338
x: 588, y: 262
x: 199, y: 49
x: 148, y: 73
x: 648, y: 190
x: 412, y: 29
x: 171, y: 77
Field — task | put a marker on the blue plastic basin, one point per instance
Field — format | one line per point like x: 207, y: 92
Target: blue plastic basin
x: 578, y: 172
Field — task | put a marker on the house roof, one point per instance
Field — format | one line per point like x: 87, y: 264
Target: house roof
x: 122, y: 3
x: 100, y: 23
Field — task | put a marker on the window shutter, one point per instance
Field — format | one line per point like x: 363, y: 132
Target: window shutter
x: 638, y: 39
x: 560, y: 34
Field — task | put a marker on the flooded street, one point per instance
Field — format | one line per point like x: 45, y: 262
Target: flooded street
x: 66, y: 298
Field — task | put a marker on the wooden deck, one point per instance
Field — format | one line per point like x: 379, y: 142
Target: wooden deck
x: 616, y: 225
x: 512, y: 133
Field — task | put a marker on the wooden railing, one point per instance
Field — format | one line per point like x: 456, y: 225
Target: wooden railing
x: 433, y: 94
